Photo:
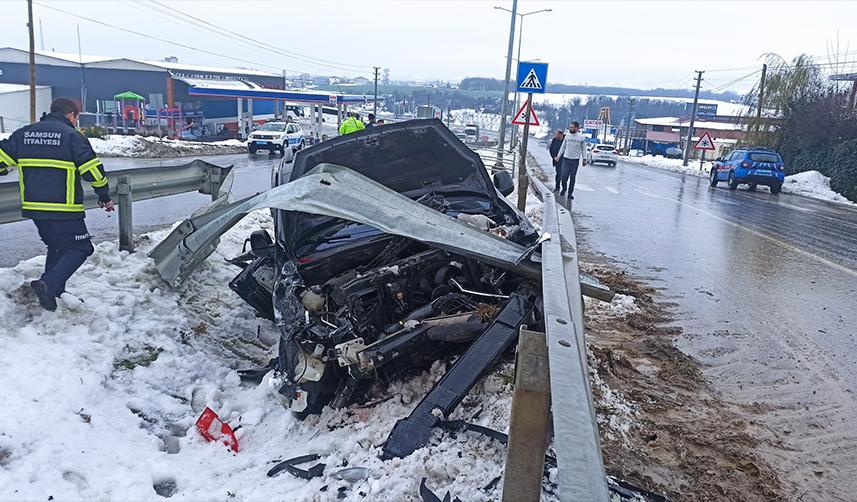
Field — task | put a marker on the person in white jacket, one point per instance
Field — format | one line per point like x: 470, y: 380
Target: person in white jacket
x: 572, y: 154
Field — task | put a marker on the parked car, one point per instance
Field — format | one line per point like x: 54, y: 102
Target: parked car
x: 673, y: 153
x: 606, y: 154
x: 283, y: 137
x: 753, y: 166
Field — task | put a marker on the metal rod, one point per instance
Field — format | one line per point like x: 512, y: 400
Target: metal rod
x: 126, y: 225
x: 32, y: 62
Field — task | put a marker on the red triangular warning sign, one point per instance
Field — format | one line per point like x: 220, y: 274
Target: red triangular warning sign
x: 519, y: 120
x: 704, y: 143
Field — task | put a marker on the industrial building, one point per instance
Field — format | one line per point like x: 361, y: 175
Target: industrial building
x: 176, y: 95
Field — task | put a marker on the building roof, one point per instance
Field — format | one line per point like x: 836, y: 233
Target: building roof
x: 51, y: 58
x: 10, y: 88
x: 245, y: 89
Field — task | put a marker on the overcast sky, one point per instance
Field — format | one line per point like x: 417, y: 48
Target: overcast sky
x: 640, y: 43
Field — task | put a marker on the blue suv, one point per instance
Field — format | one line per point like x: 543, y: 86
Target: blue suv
x: 753, y: 166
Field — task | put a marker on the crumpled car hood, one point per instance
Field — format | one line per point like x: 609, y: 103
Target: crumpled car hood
x: 337, y: 192
x: 412, y: 158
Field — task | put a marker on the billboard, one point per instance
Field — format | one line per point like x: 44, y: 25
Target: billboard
x: 703, y: 110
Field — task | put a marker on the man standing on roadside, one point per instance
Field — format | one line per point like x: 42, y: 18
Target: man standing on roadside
x: 556, y: 143
x: 572, y: 154
x: 52, y: 157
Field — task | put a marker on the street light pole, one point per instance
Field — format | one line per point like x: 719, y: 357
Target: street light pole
x: 504, y: 107
x: 520, y: 38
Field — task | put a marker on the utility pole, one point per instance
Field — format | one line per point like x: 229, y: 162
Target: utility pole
x: 504, y: 108
x: 761, y: 99
x: 375, y: 103
x: 82, y: 76
x: 514, y: 139
x: 628, y: 128
x: 32, y: 62
x: 692, y: 118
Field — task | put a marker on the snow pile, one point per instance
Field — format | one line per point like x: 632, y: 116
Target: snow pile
x: 621, y: 306
x: 153, y: 147
x: 617, y: 414
x: 96, y: 394
x: 812, y: 184
x: 674, y: 165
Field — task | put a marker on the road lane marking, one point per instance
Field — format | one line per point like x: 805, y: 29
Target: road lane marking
x: 800, y: 251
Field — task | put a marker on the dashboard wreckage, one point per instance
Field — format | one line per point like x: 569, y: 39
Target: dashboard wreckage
x: 407, y: 255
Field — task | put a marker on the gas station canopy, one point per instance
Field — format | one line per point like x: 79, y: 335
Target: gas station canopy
x: 245, y: 89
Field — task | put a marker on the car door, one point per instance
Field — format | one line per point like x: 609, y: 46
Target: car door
x: 724, y: 167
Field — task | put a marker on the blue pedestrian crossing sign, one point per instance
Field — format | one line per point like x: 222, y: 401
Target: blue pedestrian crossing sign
x: 532, y: 77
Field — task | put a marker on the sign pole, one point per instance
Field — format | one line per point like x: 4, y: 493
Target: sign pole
x: 522, y: 163
x: 701, y: 160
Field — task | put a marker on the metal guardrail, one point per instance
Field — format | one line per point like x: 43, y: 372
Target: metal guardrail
x: 132, y: 185
x: 580, y: 466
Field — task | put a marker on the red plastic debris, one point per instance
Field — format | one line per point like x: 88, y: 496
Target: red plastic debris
x: 213, y: 428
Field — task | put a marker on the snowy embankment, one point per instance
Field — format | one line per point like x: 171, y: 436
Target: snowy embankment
x: 813, y: 184
x: 674, y: 165
x: 153, y: 147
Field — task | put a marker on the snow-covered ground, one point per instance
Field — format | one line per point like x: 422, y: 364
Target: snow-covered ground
x: 812, y: 184
x: 153, y: 147
x: 97, y: 392
x: 673, y: 165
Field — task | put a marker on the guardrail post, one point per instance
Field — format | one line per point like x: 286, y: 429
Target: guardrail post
x: 213, y: 178
x: 529, y: 424
x: 126, y: 225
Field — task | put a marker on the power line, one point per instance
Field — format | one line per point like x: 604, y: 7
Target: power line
x: 739, y: 79
x: 102, y: 23
x: 268, y: 47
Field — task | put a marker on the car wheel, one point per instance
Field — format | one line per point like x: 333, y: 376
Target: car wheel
x: 252, y: 150
x: 712, y: 178
x: 733, y: 183
x: 751, y: 187
x: 775, y: 189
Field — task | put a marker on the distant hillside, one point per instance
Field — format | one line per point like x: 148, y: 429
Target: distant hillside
x: 493, y: 84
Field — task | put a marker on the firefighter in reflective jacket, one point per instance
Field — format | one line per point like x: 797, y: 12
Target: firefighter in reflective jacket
x: 51, y: 158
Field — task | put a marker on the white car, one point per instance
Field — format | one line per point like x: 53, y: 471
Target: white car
x: 284, y: 137
x: 606, y: 154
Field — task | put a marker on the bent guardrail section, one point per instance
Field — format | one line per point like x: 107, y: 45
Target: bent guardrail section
x: 580, y: 466
x: 132, y: 185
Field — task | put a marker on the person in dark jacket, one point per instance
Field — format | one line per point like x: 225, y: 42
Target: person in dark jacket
x: 556, y: 143
x: 52, y: 157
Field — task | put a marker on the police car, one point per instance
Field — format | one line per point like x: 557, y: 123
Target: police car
x: 753, y: 166
x: 277, y: 137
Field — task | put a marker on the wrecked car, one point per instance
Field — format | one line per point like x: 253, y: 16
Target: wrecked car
x: 355, y: 304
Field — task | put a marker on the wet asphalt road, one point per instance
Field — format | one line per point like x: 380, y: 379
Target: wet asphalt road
x: 19, y: 241
x: 765, y: 288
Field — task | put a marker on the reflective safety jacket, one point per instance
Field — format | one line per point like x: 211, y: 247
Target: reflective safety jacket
x: 350, y: 125
x: 52, y: 157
